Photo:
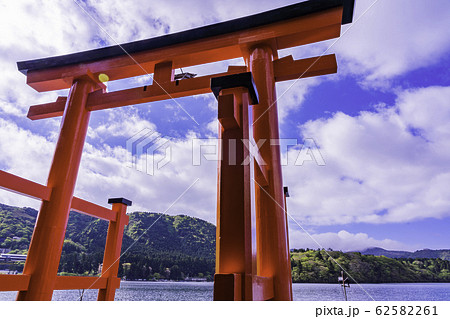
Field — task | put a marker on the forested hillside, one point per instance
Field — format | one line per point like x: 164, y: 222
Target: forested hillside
x: 322, y: 266
x: 173, y: 247
x: 423, y: 253
x: 157, y: 246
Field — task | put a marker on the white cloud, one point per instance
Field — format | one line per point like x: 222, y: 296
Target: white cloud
x: 378, y: 168
x: 213, y: 127
x: 24, y: 153
x: 393, y: 38
x: 35, y: 29
x: 342, y: 240
x: 291, y: 95
x: 120, y: 122
x: 428, y: 111
x: 106, y: 172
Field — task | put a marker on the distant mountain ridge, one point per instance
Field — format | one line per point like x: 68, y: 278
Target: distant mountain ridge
x: 423, y: 253
x: 320, y: 266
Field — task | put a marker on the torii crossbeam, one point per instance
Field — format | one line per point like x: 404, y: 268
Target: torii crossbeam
x: 240, y: 275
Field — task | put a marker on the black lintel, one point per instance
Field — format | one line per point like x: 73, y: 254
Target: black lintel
x: 119, y: 200
x: 234, y: 81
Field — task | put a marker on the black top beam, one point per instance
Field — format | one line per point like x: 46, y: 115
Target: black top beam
x: 257, y: 20
x: 234, y: 81
x: 119, y: 200
x: 347, y: 15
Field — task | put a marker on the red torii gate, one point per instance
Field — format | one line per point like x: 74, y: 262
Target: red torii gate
x: 240, y: 275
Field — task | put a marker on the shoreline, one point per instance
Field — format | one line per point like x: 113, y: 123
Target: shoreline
x: 309, y: 283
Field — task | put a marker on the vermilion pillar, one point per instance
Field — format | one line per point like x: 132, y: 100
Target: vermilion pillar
x: 233, y: 278
x: 233, y: 246
x: 272, y: 239
x: 113, y: 248
x: 48, y: 236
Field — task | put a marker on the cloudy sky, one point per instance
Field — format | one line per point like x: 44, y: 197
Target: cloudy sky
x: 380, y: 125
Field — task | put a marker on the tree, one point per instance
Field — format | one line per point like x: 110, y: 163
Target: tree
x: 175, y: 273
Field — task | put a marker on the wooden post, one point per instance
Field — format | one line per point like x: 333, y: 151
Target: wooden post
x: 233, y: 278
x: 233, y: 246
x: 286, y: 195
x: 48, y: 236
x: 272, y: 238
x: 113, y: 248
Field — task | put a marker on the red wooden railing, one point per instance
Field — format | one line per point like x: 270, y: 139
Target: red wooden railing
x: 108, y: 282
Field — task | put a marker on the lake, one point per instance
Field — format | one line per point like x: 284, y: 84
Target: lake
x: 203, y: 291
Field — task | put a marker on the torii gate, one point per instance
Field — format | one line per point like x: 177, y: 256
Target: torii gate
x: 240, y: 274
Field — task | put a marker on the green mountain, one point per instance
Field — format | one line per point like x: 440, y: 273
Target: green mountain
x: 323, y: 266
x: 154, y: 246
x: 16, y: 227
x: 424, y: 253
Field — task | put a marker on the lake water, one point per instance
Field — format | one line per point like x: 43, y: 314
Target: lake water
x: 203, y: 291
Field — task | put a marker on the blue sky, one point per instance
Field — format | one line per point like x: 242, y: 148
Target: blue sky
x: 380, y: 123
